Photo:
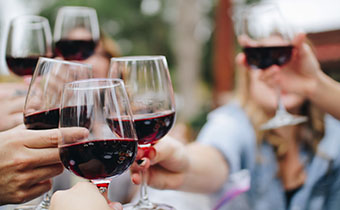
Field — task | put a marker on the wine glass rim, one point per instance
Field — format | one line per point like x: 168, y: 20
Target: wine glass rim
x: 78, y: 8
x: 30, y: 19
x: 264, y: 6
x: 139, y: 58
x: 64, y: 62
x: 113, y: 82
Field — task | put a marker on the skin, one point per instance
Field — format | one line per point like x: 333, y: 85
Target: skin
x: 82, y: 196
x: 12, y: 101
x: 29, y: 159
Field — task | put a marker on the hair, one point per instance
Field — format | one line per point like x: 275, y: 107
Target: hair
x: 109, y: 48
x: 310, y: 133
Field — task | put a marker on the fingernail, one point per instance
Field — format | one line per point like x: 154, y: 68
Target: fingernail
x: 152, y: 153
x: 140, y: 161
x: 116, y: 206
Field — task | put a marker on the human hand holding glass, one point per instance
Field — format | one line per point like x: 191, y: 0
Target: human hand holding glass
x: 151, y: 96
x: 43, y: 99
x: 267, y: 43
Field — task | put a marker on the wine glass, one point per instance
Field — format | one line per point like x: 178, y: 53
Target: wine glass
x: 29, y: 37
x: 43, y: 99
x: 267, y: 40
x: 102, y: 107
x: 150, y: 92
x: 76, y: 32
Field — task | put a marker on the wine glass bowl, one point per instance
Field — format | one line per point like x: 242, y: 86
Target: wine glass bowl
x: 41, y: 110
x: 76, y: 32
x: 148, y: 85
x: 104, y: 152
x: 29, y: 37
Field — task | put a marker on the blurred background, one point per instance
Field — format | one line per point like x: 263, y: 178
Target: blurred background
x: 196, y: 36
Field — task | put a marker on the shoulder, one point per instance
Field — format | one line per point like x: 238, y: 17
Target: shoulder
x: 230, y: 131
x: 231, y: 114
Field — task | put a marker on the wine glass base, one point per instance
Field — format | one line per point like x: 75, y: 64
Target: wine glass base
x: 151, y: 206
x: 26, y: 207
x: 283, y: 120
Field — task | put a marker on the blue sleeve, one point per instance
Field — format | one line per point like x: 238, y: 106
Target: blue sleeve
x: 229, y: 131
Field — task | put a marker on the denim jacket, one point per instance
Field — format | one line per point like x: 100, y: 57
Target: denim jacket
x: 229, y: 130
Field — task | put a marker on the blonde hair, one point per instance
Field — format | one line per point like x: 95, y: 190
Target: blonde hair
x: 309, y: 133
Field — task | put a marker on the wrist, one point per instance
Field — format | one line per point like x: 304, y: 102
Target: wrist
x: 316, y: 85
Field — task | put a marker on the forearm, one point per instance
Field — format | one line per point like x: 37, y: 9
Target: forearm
x: 207, y: 171
x: 326, y: 95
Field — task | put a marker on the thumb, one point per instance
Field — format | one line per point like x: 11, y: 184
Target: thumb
x: 116, y: 206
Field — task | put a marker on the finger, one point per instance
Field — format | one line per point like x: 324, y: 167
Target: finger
x: 15, y: 120
x: 20, y: 127
x: 43, y: 173
x: 136, y: 170
x: 165, y: 149
x: 136, y: 178
x: 140, y: 153
x: 17, y: 105
x: 116, y: 206
x: 138, y: 166
x: 41, y: 138
x: 73, y: 134
x: 164, y: 179
x: 241, y: 59
x: 149, y: 152
x: 34, y: 191
x: 44, y: 157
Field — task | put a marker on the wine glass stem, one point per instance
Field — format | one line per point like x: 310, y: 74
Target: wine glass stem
x: 45, y: 203
x: 144, y: 197
x: 280, y: 106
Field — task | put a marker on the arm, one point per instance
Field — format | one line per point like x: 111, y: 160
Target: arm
x: 83, y: 195
x: 324, y: 95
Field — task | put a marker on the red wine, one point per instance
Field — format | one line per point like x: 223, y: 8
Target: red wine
x: 22, y: 66
x: 75, y: 49
x: 42, y: 120
x: 99, y: 159
x: 264, y: 57
x: 150, y: 128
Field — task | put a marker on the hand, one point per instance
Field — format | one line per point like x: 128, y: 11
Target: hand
x: 301, y: 75
x: 12, y: 101
x: 167, y: 162
x: 83, y: 195
x: 29, y: 159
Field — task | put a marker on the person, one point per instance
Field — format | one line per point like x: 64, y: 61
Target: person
x: 100, y: 60
x: 83, y: 195
x: 29, y: 159
x: 308, y: 80
x: 292, y: 167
